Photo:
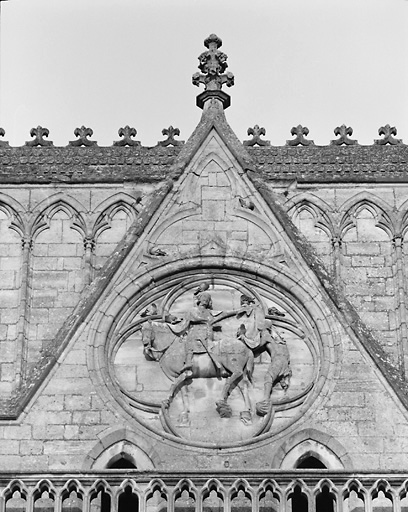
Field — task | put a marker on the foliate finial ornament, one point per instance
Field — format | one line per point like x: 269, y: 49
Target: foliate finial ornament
x: 343, y: 132
x: 300, y: 132
x: 212, y: 64
x: 83, y: 134
x: 127, y: 133
x: 256, y: 133
x: 3, y: 143
x: 171, y: 133
x: 39, y: 133
x: 388, y: 132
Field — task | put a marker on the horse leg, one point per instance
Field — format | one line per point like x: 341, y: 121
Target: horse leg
x: 245, y: 415
x: 175, y: 387
x: 223, y: 408
x: 184, y: 416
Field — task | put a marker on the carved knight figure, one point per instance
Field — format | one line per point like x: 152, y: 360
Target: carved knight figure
x: 258, y: 333
x: 196, y: 328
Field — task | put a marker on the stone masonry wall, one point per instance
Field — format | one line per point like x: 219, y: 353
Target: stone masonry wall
x: 359, y: 233
x: 54, y: 240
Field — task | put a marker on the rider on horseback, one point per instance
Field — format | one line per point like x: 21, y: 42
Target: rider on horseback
x: 259, y: 333
x: 196, y: 329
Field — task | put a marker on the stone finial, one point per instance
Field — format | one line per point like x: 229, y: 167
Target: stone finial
x: 3, y: 143
x: 299, y: 132
x: 388, y: 132
x: 212, y: 64
x: 343, y: 133
x: 127, y: 133
x: 171, y: 133
x: 39, y: 133
x: 83, y: 134
x: 256, y: 133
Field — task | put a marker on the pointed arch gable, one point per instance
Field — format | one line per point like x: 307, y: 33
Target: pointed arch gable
x: 320, y: 210
x: 319, y: 444
x: 45, y: 210
x: 114, y: 205
x: 122, y: 442
x: 119, y: 197
x: 15, y: 212
x: 307, y: 197
x: 381, y: 210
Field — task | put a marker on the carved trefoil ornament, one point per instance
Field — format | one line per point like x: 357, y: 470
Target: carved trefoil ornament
x: 39, y: 133
x: 170, y: 141
x: 389, y: 133
x: 127, y: 133
x: 3, y: 143
x: 83, y: 133
x: 344, y: 133
x: 256, y: 133
x: 300, y: 133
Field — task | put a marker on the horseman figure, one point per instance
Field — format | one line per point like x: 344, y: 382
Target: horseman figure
x: 259, y: 334
x: 196, y: 329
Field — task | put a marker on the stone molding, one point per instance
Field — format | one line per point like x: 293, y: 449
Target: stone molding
x: 333, y: 447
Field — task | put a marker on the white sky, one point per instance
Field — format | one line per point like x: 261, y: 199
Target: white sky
x: 105, y: 64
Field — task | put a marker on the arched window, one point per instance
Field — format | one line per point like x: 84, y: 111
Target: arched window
x: 298, y: 500
x: 325, y: 501
x: 128, y: 501
x: 121, y: 463
x: 310, y: 462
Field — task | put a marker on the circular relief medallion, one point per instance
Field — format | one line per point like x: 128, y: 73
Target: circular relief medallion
x: 215, y: 359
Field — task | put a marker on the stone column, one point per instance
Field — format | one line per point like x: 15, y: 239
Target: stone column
x: 400, y: 306
x: 24, y: 317
x: 337, y: 259
x: 89, y: 246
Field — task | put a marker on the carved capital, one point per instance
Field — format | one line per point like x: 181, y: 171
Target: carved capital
x: 127, y: 133
x: 39, y: 133
x: 171, y: 133
x: 336, y: 242
x: 3, y: 143
x: 388, y: 132
x: 89, y: 244
x: 27, y: 243
x: 83, y: 134
x: 398, y: 241
x: 299, y: 132
x: 256, y: 133
x: 343, y: 133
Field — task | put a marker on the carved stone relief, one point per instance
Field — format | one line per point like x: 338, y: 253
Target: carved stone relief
x: 214, y: 358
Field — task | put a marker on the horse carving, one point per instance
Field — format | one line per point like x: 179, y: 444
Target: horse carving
x: 186, y: 349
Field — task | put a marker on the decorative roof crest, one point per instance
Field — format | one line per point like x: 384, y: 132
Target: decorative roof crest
x: 300, y: 133
x: 343, y: 132
x: 127, y: 133
x: 3, y: 143
x: 256, y: 133
x: 388, y: 132
x: 212, y: 64
x: 171, y: 133
x: 39, y: 133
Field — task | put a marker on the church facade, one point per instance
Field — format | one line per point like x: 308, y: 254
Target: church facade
x: 204, y: 324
